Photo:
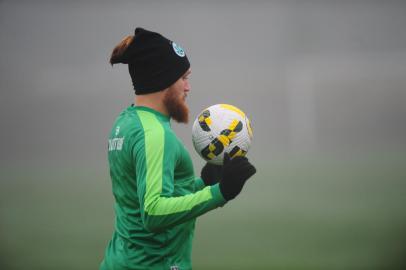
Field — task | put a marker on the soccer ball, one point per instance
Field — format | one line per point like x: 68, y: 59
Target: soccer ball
x: 219, y: 129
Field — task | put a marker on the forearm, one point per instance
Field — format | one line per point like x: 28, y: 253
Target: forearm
x: 164, y: 212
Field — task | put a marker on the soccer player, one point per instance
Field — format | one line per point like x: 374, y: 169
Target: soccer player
x: 157, y: 195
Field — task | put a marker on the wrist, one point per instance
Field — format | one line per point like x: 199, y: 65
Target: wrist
x: 217, y: 194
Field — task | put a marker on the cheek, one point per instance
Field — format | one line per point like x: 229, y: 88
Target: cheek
x: 181, y: 89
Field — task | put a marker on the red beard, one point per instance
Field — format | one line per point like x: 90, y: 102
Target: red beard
x: 176, y: 107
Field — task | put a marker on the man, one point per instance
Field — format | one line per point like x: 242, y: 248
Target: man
x: 157, y: 196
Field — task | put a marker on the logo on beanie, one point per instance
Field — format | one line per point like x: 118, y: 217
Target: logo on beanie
x: 178, y: 49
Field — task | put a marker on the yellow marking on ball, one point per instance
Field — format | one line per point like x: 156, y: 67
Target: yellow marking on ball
x: 232, y: 135
x: 239, y: 153
x: 232, y: 108
x: 208, y: 121
x: 233, y: 124
x: 249, y: 127
x: 211, y: 156
x: 224, y: 140
x: 212, y: 147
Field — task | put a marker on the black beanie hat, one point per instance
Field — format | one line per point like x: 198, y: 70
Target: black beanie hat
x: 154, y: 62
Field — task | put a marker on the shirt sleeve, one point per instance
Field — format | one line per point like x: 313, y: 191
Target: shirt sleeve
x: 155, y: 159
x: 199, y: 184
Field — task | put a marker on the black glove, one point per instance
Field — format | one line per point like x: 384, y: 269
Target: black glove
x: 235, y: 172
x: 211, y: 174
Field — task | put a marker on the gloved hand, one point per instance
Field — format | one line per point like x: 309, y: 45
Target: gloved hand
x: 236, y: 172
x: 211, y: 174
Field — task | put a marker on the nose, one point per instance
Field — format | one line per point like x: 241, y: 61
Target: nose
x: 187, y: 86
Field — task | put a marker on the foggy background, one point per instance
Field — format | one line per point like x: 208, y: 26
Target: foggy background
x: 323, y: 83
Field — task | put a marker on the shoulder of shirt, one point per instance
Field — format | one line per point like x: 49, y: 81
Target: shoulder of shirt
x: 135, y: 126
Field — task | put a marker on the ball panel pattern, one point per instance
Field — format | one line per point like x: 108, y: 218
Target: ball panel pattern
x: 221, y: 128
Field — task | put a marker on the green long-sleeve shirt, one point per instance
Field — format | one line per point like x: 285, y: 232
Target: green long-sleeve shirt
x: 157, y: 196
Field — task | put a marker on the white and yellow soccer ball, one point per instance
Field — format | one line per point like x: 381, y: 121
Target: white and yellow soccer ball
x: 219, y: 129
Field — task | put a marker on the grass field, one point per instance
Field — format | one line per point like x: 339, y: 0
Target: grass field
x: 295, y: 215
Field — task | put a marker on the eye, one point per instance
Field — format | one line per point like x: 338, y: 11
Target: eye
x: 186, y: 76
